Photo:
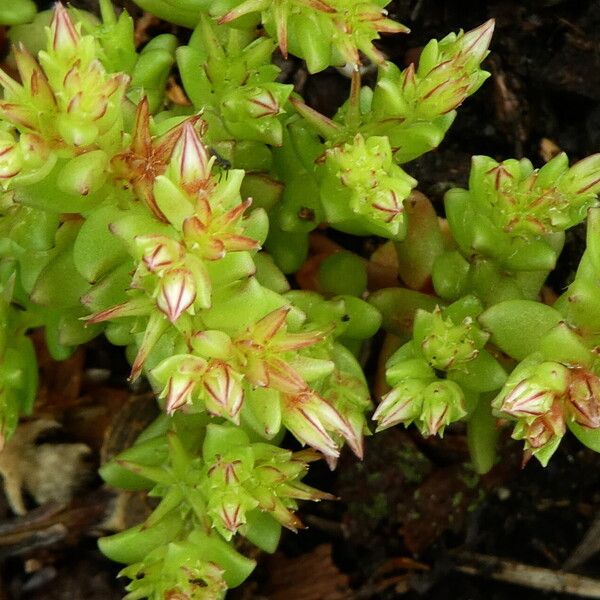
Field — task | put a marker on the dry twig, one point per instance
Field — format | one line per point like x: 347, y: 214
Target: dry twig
x: 510, y: 571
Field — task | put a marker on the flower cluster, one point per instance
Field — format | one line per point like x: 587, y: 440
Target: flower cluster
x: 232, y: 81
x: 355, y: 181
x: 544, y: 397
x: 323, y: 33
x: 362, y: 184
x: 228, y: 485
x: 437, y: 376
x: 180, y: 281
x: 66, y: 103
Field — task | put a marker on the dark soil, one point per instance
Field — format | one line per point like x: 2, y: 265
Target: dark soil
x: 411, y: 511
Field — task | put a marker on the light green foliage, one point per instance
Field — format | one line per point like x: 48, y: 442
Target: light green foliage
x: 125, y: 214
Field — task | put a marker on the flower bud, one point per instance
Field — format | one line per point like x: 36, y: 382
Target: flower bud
x: 190, y: 163
x: 64, y: 37
x: 179, y: 375
x: 542, y: 435
x: 223, y: 391
x: 402, y: 405
x: 312, y: 421
x: 531, y: 391
x: 583, y: 399
x: 443, y: 403
x: 445, y: 345
x: 11, y: 158
x: 159, y: 252
x: 177, y: 293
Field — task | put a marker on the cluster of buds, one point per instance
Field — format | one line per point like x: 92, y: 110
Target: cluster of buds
x: 430, y: 403
x: 437, y: 376
x: 202, y: 218
x: 516, y: 216
x: 263, y: 356
x: 415, y: 107
x: 361, y: 183
x: 235, y: 87
x: 226, y: 485
x: 177, y: 570
x: 526, y: 202
x: 544, y: 397
x: 447, y: 345
x: 407, y: 114
x: 67, y: 100
x: 322, y: 32
x: 23, y: 157
x: 245, y: 477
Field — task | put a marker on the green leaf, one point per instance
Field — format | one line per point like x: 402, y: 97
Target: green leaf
x: 262, y: 411
x: 590, y: 438
x: 110, y: 290
x: 262, y: 530
x: 398, y: 307
x: 564, y: 345
x: 97, y: 251
x: 172, y: 201
x: 518, y: 326
x: 17, y: 12
x: 482, y: 374
x: 134, y: 544
x: 449, y: 275
x: 236, y: 566
x: 221, y: 438
x: 72, y: 331
x: 362, y: 319
x: 60, y: 285
x: 482, y: 436
x: 150, y: 452
x: 343, y: 273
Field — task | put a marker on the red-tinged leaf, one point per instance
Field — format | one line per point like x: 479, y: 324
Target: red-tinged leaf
x: 284, y: 378
x: 249, y: 6
x: 326, y: 127
x: 141, y: 142
x: 63, y: 32
x: 270, y: 325
x: 238, y: 243
x: 9, y: 84
x: 131, y: 308
x: 156, y: 326
x: 178, y: 393
x: 18, y: 115
x: 296, y: 341
x: 318, y: 5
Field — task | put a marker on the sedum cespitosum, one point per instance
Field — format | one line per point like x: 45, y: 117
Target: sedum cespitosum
x: 167, y: 227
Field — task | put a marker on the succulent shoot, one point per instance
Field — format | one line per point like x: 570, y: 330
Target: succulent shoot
x: 165, y: 217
